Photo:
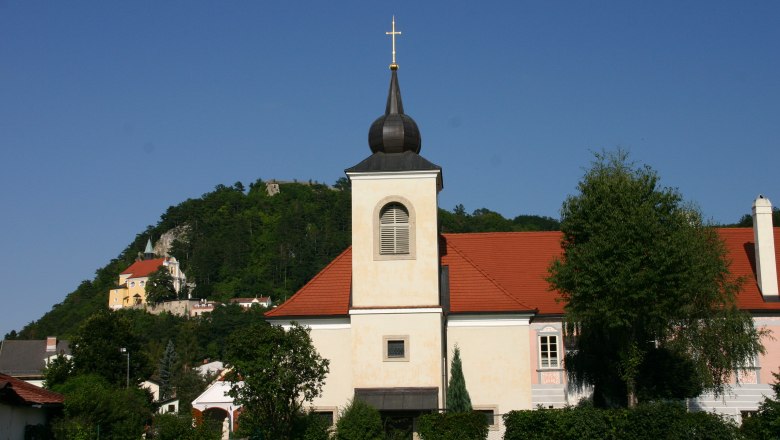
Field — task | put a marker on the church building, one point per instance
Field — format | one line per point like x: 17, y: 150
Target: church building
x: 131, y: 287
x: 390, y: 309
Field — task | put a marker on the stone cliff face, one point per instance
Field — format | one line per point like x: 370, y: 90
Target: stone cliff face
x: 164, y: 243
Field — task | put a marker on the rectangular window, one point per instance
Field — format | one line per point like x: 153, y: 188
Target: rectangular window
x: 548, y: 351
x: 490, y: 416
x: 396, y: 348
x: 326, y: 415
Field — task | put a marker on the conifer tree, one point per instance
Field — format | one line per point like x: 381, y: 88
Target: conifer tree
x: 167, y: 365
x: 458, y: 399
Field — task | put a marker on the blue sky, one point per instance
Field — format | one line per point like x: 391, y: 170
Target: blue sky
x: 112, y: 111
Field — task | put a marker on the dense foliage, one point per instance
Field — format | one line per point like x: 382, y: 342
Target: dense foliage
x: 179, y: 427
x: 279, y: 371
x: 359, y: 421
x: 646, y: 421
x: 485, y: 220
x: 94, y: 408
x: 746, y: 221
x: 160, y: 287
x: 237, y: 242
x: 765, y: 424
x: 453, y: 426
x: 458, y: 399
x: 646, y: 284
x: 107, y: 345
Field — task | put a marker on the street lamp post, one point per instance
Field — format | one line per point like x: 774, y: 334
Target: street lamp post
x: 127, y: 352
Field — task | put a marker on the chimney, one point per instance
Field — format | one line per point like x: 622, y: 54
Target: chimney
x: 763, y: 233
x: 51, y: 344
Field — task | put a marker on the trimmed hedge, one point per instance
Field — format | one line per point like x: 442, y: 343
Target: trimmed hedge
x: 453, y: 426
x: 647, y: 421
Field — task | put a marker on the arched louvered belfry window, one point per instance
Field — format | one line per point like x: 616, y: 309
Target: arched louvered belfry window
x: 394, y: 230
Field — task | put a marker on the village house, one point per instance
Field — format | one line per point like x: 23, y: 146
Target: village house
x: 27, y: 359
x: 25, y: 409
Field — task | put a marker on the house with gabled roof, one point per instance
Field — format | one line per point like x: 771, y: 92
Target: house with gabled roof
x: 25, y: 407
x: 27, y: 359
x: 389, y: 310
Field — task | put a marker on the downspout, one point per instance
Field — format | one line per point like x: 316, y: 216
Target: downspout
x: 444, y: 292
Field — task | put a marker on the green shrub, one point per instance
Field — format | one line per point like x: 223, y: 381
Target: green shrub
x: 359, y: 421
x: 766, y: 423
x: 538, y: 424
x: 647, y: 421
x: 312, y: 426
x: 453, y: 426
x: 179, y: 427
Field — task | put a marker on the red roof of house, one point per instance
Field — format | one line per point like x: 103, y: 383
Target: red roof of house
x: 504, y: 272
x: 143, y: 268
x: 26, y: 393
x: 327, y: 294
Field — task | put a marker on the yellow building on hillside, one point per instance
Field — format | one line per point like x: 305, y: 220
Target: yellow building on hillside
x: 131, y: 289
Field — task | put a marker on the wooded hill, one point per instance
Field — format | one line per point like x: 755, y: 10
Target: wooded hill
x: 244, y: 242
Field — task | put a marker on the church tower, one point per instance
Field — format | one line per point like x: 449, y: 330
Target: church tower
x: 395, y: 308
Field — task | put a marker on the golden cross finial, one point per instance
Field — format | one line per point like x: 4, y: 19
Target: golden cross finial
x: 393, y: 33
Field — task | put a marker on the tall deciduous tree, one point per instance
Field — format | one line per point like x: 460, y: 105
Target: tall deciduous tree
x: 160, y: 286
x: 641, y: 272
x: 458, y: 399
x: 280, y: 370
x: 98, y: 349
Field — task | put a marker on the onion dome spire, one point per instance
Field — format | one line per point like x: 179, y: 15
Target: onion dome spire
x: 394, y: 132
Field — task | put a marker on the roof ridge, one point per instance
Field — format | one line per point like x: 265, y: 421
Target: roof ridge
x: 277, y: 310
x: 488, y: 277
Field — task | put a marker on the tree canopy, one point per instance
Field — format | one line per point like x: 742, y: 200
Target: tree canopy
x: 279, y: 370
x: 160, y: 286
x: 644, y: 280
x: 106, y: 345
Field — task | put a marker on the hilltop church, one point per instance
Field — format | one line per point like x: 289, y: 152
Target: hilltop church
x: 389, y: 310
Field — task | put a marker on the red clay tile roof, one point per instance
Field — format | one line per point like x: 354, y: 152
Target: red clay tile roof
x: 327, y: 294
x: 27, y: 393
x: 517, y: 261
x: 740, y: 244
x: 504, y: 272
x: 143, y: 268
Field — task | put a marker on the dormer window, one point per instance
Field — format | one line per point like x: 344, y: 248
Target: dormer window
x: 394, y: 237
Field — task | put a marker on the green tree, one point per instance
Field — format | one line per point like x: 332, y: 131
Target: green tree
x: 97, y: 348
x: 179, y: 427
x: 280, y: 370
x: 57, y: 371
x: 189, y: 384
x: 160, y: 287
x: 359, y: 421
x: 640, y: 271
x: 166, y: 369
x: 94, y: 408
x: 765, y: 424
x: 458, y: 400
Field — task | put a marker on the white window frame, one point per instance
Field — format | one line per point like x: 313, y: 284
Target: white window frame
x: 557, y: 351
